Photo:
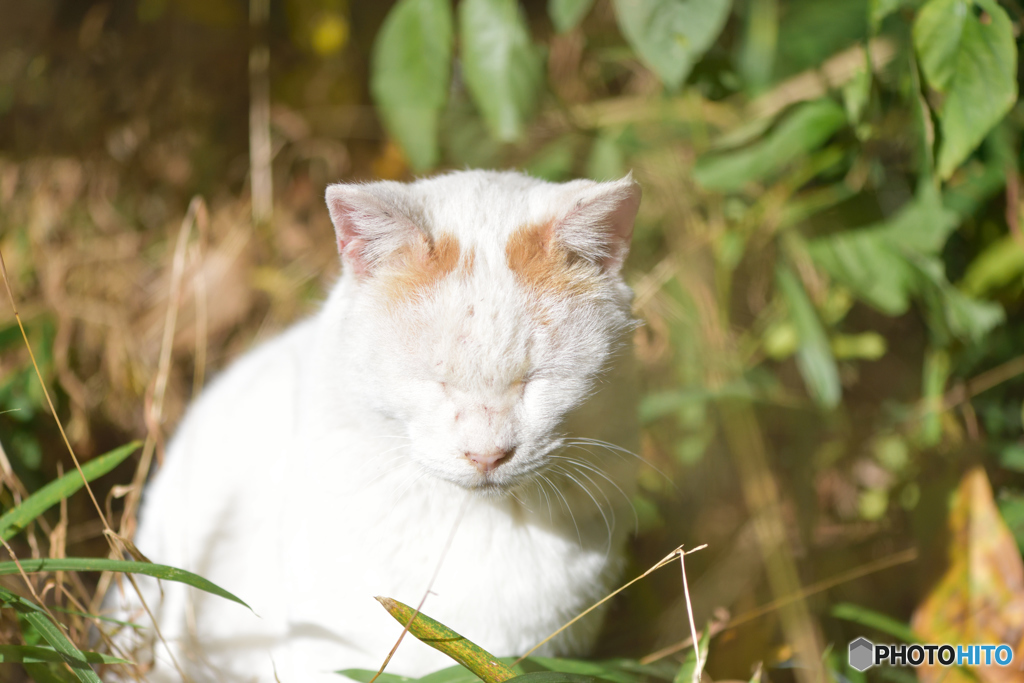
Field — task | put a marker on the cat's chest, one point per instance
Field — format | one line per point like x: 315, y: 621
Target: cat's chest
x: 359, y: 505
x: 505, y: 582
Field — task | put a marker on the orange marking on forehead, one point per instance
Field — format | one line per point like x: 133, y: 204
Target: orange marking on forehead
x: 468, y: 263
x: 419, y: 266
x: 545, y: 266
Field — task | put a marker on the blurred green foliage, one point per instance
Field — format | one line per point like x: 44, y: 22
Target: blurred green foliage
x: 830, y: 230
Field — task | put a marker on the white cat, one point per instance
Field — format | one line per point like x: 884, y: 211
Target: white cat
x: 474, y: 346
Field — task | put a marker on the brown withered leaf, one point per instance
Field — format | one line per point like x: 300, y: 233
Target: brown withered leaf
x: 980, y: 599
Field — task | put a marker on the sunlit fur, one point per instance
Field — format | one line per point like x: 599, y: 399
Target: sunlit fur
x: 477, y: 312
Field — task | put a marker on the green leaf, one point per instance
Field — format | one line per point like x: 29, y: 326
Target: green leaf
x: 873, y: 261
x: 52, y: 634
x: 971, y: 58
x: 890, y: 262
x: 438, y: 636
x: 33, y: 654
x: 876, y: 620
x: 999, y: 264
x: 671, y: 35
x: 109, y: 620
x: 366, y: 675
x: 857, y: 93
x: 464, y: 135
x: 663, y: 403
x: 409, y: 75
x: 504, y: 69
x: 555, y: 677
x: 804, y: 130
x: 865, y: 261
x: 756, y: 58
x: 664, y: 669
x: 16, y: 519
x: 555, y: 160
x: 1011, y: 457
x: 922, y: 226
x: 880, y: 9
x: 453, y: 674
x: 814, y: 357
x: 601, y: 670
x: 950, y: 312
x: 811, y: 31
x: 689, y: 671
x: 567, y: 14
x: 93, y: 564
x: 48, y: 673
x: 606, y: 160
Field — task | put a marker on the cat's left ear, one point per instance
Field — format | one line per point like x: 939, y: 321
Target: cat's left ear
x: 372, y: 224
x: 600, y: 224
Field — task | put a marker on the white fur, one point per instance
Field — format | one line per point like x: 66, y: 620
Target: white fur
x: 327, y: 466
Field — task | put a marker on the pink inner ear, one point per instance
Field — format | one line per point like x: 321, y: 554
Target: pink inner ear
x: 620, y: 226
x: 351, y: 250
x: 600, y: 226
x: 368, y: 228
x: 341, y: 215
x: 350, y: 215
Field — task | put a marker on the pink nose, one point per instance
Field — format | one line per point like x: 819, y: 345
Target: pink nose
x: 488, y: 462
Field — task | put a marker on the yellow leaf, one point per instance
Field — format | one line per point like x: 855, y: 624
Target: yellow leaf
x: 980, y: 599
x: 440, y: 637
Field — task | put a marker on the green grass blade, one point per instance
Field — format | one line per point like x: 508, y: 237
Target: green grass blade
x: 365, y: 676
x: 109, y: 620
x: 876, y: 620
x: 605, y: 671
x: 45, y: 673
x: 16, y: 519
x: 441, y: 638
x: 52, y: 634
x: 33, y: 654
x: 556, y: 677
x: 453, y: 674
x: 93, y: 564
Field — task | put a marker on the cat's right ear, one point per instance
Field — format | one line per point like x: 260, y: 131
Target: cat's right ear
x: 369, y: 226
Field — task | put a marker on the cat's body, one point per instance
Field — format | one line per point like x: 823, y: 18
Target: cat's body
x: 477, y: 330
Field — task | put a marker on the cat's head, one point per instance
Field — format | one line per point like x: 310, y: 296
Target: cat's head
x: 480, y: 308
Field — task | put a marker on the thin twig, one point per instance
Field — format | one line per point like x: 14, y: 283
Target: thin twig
x: 46, y: 392
x: 689, y: 614
x: 903, y: 557
x: 154, y: 414
x: 28, y: 582
x: 260, y: 147
x: 430, y: 586
x: 661, y: 563
x: 202, y: 312
x: 834, y: 72
x: 970, y: 388
x: 108, y: 532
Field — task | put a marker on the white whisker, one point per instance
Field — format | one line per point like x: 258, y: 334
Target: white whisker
x: 589, y: 466
x: 600, y: 510
x: 568, y: 508
x: 617, y: 450
x: 540, y: 487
